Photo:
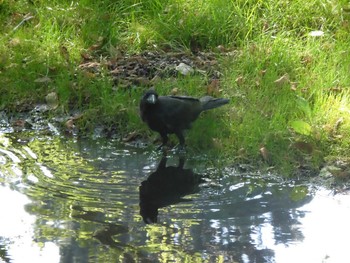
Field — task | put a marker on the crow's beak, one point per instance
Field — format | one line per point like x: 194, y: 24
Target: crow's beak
x: 152, y: 99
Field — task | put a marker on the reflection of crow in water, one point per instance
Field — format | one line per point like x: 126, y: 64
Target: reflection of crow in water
x: 166, y: 186
x: 174, y: 114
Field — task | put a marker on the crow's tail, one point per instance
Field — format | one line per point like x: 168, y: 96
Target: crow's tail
x: 211, y: 103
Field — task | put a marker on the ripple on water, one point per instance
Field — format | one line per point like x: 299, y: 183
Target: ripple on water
x: 83, y: 190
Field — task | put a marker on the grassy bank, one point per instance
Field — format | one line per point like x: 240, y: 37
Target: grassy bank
x: 284, y: 64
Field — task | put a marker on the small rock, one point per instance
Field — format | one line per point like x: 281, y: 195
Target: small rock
x: 184, y: 69
x: 316, y: 33
x: 52, y: 100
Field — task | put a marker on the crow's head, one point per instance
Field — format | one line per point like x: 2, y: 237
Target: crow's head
x: 150, y: 97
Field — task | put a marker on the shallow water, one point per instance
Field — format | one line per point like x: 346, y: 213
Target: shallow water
x: 73, y: 200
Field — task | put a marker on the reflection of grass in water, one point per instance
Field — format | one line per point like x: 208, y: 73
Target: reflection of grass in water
x: 75, y: 204
x: 3, y: 252
x: 78, y: 205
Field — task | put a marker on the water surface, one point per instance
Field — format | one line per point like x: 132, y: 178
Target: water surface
x: 66, y: 199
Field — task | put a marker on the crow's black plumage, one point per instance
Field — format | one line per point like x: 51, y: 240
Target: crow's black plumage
x: 174, y: 114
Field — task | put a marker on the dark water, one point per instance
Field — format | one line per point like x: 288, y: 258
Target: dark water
x: 70, y: 200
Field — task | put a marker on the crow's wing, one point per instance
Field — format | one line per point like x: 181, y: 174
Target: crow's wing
x: 177, y: 112
x: 184, y: 98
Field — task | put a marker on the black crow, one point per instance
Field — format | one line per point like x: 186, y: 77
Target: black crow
x: 174, y: 114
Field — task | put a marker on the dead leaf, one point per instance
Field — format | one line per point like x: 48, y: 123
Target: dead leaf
x: 338, y: 172
x: 337, y: 124
x: 86, y: 56
x: 174, y: 91
x: 282, y: 80
x: 257, y: 82
x: 69, y: 124
x: 265, y: 154
x: 336, y: 89
x: 97, y: 45
x: 253, y: 48
x: 265, y: 26
x: 345, y: 24
x: 155, y: 79
x: 242, y: 152
x: 78, y: 116
x: 45, y: 79
x: 221, y: 48
x: 304, y: 147
x: 91, y: 66
x: 89, y: 75
x: 14, y: 42
x: 52, y: 100
x: 239, y: 80
x: 20, y: 123
x: 131, y: 136
x: 343, y: 174
x: 138, y: 59
x: 141, y: 81
x: 327, y: 128
x: 213, y: 88
x: 338, y: 136
x: 115, y: 71
x: 262, y: 72
x: 293, y: 86
x: 217, y: 144
x: 64, y: 53
x: 94, y: 47
x: 306, y: 59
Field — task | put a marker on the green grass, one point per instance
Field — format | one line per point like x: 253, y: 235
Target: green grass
x: 267, y: 40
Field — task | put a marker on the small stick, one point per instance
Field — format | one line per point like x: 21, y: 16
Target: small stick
x: 25, y: 19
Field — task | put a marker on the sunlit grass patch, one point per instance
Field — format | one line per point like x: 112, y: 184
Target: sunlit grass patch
x: 284, y: 89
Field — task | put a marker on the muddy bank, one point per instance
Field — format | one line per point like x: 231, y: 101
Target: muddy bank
x: 334, y: 174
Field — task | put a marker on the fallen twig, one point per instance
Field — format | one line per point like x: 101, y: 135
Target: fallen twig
x: 25, y: 19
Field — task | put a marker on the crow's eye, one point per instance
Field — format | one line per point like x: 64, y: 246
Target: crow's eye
x: 152, y: 99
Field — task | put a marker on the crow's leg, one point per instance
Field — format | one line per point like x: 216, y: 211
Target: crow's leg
x: 162, y: 164
x: 164, y: 140
x: 181, y: 138
x: 181, y: 161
